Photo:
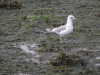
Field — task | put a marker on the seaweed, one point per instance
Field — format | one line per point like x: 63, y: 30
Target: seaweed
x: 47, y: 47
x: 3, y: 5
x: 97, y: 14
x: 11, y: 5
x: 67, y: 60
x: 55, y: 24
x: 87, y: 71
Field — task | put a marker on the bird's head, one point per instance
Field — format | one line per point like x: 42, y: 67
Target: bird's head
x: 71, y: 17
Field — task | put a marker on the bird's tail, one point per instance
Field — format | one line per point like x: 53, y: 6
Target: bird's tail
x: 49, y: 30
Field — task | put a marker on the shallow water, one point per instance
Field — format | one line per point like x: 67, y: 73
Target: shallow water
x: 29, y: 49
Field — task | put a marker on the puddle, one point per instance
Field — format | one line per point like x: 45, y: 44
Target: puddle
x: 33, y: 45
x: 33, y: 60
x: 21, y: 74
x: 97, y: 64
x: 98, y: 58
x: 28, y: 48
x: 37, y: 56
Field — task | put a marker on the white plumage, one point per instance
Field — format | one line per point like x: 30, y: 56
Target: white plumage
x: 65, y: 29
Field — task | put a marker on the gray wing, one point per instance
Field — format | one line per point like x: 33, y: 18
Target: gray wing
x: 59, y: 29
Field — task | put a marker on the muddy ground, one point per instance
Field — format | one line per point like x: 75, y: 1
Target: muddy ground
x: 27, y: 49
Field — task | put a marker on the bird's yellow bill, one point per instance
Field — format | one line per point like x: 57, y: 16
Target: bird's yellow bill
x: 75, y: 19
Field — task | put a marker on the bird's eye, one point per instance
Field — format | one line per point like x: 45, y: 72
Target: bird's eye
x: 71, y: 17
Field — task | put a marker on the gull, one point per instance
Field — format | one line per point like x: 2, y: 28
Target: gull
x: 65, y: 29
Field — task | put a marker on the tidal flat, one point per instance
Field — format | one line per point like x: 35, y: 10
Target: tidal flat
x: 26, y: 48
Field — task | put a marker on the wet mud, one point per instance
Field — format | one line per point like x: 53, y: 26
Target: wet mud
x: 26, y: 48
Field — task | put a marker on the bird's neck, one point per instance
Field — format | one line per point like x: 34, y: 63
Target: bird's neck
x: 69, y: 22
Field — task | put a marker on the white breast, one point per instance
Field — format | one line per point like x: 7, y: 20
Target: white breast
x: 67, y: 31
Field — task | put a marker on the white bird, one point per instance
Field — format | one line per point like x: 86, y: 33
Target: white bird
x: 65, y: 29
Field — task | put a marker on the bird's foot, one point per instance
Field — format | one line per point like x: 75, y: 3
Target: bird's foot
x: 61, y: 41
x: 66, y: 41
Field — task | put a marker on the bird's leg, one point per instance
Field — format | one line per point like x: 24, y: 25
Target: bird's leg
x: 60, y: 40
